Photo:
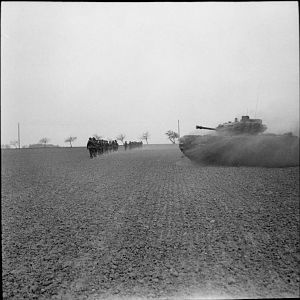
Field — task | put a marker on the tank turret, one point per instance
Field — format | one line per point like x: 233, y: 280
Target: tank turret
x: 244, y: 126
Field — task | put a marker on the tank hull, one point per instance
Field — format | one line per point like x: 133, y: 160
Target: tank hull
x: 266, y: 150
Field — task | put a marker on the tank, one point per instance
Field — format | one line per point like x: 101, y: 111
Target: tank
x: 241, y: 142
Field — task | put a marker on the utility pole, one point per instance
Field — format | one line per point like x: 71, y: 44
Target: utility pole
x: 178, y: 129
x: 256, y: 100
x: 19, y: 141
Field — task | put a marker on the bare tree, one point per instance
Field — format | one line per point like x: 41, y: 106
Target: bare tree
x: 70, y: 139
x: 145, y: 136
x: 121, y: 137
x: 44, y: 141
x: 97, y: 137
x: 172, y: 136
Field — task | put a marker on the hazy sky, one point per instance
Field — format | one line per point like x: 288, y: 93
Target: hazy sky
x: 109, y: 68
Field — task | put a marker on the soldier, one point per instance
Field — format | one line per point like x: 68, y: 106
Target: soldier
x: 94, y: 148
x: 115, y: 145
x: 97, y: 147
x: 106, y: 146
x: 90, y: 146
x: 101, y: 146
x: 110, y: 146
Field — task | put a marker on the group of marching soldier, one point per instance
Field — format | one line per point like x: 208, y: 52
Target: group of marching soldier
x: 132, y: 145
x: 99, y: 147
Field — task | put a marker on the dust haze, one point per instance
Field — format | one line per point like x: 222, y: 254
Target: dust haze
x: 266, y: 150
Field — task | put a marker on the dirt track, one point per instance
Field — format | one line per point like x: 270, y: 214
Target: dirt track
x: 146, y: 223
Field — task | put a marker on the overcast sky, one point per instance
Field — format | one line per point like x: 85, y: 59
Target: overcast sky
x: 108, y: 68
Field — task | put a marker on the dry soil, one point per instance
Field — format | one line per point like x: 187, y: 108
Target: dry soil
x: 146, y: 223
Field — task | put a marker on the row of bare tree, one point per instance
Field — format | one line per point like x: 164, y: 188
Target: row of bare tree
x: 172, y: 136
x: 44, y: 141
x: 145, y: 136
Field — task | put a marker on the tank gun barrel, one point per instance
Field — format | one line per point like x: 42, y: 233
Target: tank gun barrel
x: 202, y: 127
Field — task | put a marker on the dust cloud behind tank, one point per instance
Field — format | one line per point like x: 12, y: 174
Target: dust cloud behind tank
x: 241, y: 143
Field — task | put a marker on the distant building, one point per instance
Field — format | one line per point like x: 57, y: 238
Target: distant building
x: 42, y: 146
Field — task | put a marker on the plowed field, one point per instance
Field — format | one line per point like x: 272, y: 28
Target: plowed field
x: 146, y: 223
